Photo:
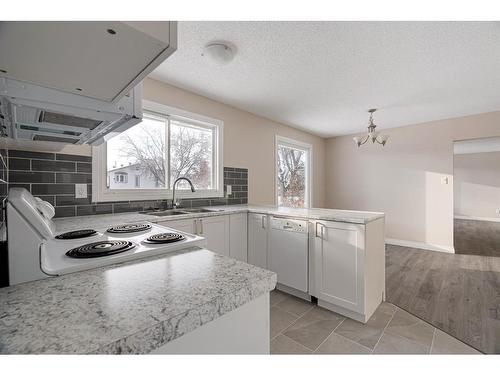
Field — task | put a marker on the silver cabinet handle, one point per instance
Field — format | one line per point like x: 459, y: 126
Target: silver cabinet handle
x: 263, y: 222
x: 196, y: 226
x: 201, y: 225
x: 321, y: 230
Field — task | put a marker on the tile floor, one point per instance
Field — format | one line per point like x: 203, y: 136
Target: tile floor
x: 299, y: 327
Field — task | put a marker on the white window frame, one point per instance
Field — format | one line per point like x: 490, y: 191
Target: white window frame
x: 280, y: 140
x: 100, y: 192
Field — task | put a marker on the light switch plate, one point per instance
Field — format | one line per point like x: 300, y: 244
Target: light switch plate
x: 229, y: 190
x: 80, y: 190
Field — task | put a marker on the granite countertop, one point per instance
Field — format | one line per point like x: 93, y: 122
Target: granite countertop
x: 106, y: 220
x: 132, y: 307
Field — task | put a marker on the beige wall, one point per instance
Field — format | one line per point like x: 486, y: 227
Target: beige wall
x: 477, y: 184
x: 404, y: 179
x: 248, y: 140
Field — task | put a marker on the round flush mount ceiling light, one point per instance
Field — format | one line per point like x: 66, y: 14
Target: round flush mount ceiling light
x: 220, y: 53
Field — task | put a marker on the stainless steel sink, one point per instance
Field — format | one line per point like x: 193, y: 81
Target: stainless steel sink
x: 177, y: 211
x: 195, y: 210
x: 164, y: 213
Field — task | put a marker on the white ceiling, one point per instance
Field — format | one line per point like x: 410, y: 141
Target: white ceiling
x: 323, y: 76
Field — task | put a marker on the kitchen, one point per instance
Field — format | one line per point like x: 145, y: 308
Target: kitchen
x: 279, y: 239
x: 143, y: 217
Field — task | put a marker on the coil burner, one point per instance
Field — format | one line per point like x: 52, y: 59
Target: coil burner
x: 167, y: 237
x: 82, y: 233
x: 100, y: 249
x: 129, y: 228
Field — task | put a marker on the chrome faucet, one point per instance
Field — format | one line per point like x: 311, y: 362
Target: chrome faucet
x: 174, y: 203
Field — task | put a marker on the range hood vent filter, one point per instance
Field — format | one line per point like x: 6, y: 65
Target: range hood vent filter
x: 46, y: 130
x: 50, y: 138
x: 68, y: 120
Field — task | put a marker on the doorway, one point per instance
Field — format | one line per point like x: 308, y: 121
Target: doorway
x: 476, y: 169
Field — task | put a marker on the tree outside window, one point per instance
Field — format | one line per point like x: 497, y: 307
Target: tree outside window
x: 292, y: 175
x: 159, y: 150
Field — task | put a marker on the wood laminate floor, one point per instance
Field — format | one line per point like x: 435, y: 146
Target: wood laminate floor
x: 477, y: 237
x: 459, y: 294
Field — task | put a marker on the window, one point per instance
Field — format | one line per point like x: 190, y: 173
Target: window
x: 293, y: 173
x: 120, y: 177
x: 167, y: 144
x: 191, y: 154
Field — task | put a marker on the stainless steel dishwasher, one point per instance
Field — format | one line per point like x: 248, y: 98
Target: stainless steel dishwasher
x: 288, y: 252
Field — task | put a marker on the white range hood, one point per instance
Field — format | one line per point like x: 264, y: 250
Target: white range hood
x: 38, y: 113
x: 77, y: 82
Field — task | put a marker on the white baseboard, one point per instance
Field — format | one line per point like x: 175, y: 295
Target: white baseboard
x: 420, y: 245
x: 478, y: 218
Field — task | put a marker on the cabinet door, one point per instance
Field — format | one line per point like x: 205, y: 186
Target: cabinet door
x: 215, y: 229
x: 338, y: 264
x: 257, y: 240
x: 186, y: 225
x: 238, y: 236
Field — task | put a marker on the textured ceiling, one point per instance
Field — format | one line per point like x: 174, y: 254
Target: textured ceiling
x: 323, y: 76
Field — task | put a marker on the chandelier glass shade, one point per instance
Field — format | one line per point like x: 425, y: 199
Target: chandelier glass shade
x: 372, y: 135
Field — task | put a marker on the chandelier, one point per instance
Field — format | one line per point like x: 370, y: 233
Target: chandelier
x: 372, y: 133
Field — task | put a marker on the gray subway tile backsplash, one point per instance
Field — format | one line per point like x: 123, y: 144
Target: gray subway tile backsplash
x: 94, y: 209
x: 20, y: 164
x: 65, y: 211
x: 75, y: 178
x: 68, y: 189
x: 31, y: 177
x: 51, y: 165
x: 70, y: 200
x: 52, y: 177
x: 84, y: 167
x: 87, y: 159
x: 31, y: 155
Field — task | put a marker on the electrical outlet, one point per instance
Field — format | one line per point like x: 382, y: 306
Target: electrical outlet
x: 229, y: 190
x: 497, y: 210
x: 80, y: 190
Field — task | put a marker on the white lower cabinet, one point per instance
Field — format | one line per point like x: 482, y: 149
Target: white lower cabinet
x: 186, y: 225
x: 257, y: 239
x: 216, y: 231
x: 346, y: 261
x: 347, y: 267
x: 238, y: 236
x: 338, y: 264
